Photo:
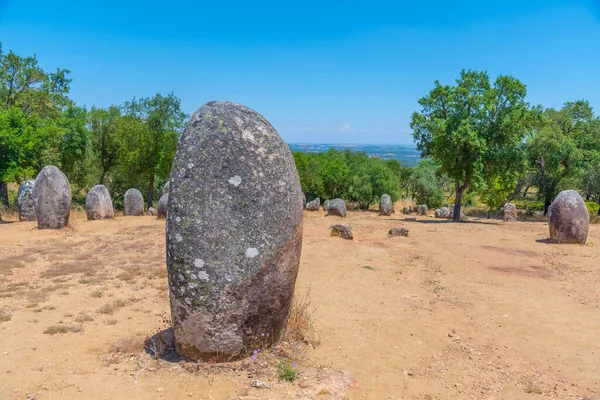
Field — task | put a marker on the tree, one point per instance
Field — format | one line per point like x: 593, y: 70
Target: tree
x: 473, y: 130
x: 103, y: 124
x: 31, y: 103
x: 149, y: 137
x: 565, y: 141
x: 425, y: 186
x: 334, y: 174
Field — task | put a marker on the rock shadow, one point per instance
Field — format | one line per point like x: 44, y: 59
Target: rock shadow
x: 162, y: 345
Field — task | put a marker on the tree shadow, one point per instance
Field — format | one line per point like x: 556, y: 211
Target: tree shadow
x: 445, y: 221
x: 162, y: 346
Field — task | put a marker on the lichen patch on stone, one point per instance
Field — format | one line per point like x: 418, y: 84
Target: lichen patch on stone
x: 235, y: 180
x: 251, y: 252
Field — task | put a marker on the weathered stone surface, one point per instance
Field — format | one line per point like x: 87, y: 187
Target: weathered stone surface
x: 405, y: 210
x: 342, y: 230
x: 569, y: 220
x: 98, y: 204
x: 422, y: 209
x: 52, y: 198
x: 510, y: 212
x: 336, y: 207
x: 313, y: 205
x: 25, y: 201
x: 410, y: 218
x: 398, y: 231
x: 163, y: 202
x: 303, y: 201
x: 234, y: 233
x: 166, y: 187
x: 151, y: 211
x: 462, y: 214
x: 385, y: 205
x: 326, y: 205
x: 443, y: 212
x: 133, y: 202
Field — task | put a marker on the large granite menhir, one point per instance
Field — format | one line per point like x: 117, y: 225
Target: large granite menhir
x: 133, y: 202
x: 98, y: 204
x: 234, y: 234
x: 25, y: 201
x: 52, y: 198
x: 569, y: 220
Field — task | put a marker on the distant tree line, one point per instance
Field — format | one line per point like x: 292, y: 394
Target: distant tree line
x: 478, y: 139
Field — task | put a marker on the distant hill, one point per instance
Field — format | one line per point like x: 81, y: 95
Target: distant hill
x: 406, y: 154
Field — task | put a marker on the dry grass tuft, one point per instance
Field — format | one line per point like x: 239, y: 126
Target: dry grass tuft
x: 5, y: 316
x: 110, y: 308
x: 111, y: 321
x: 97, y: 293
x: 68, y: 268
x: 128, y: 345
x: 54, y: 329
x: 300, y: 325
x: 85, y: 317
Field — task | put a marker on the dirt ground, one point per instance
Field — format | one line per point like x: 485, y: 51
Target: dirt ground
x: 474, y: 310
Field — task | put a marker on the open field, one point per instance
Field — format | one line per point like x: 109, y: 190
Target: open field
x: 475, y: 310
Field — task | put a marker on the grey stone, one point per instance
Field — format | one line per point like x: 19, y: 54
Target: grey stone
x: 163, y: 203
x: 443, y: 212
x: 398, y: 231
x: 342, y: 230
x: 52, y: 198
x: 326, y: 205
x: 133, y: 202
x: 569, y: 220
x: 152, y: 211
x: 98, y: 204
x: 234, y: 233
x: 385, y: 205
x: 510, y: 212
x: 25, y: 201
x: 405, y: 210
x: 422, y: 209
x: 410, y: 218
x: 166, y: 187
x: 313, y: 205
x: 336, y: 207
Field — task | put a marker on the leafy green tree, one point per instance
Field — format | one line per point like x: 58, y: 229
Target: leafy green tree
x: 474, y: 130
x: 149, y: 138
x: 425, y: 186
x: 74, y: 145
x: 564, y: 142
x: 334, y: 175
x: 103, y: 124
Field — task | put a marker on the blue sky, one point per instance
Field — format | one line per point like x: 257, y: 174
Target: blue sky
x: 320, y: 71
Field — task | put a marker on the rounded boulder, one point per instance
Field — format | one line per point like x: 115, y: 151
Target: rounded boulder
x: 52, y: 198
x: 133, y: 202
x: 163, y: 202
x: 569, y: 220
x: 234, y: 233
x: 336, y: 207
x: 385, y: 205
x: 98, y: 204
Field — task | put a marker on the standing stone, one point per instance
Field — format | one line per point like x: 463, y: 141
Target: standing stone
x: 313, y: 205
x: 405, y: 210
x: 52, y: 198
x: 342, y: 230
x: 133, y: 202
x: 336, y: 207
x: 163, y: 202
x: 422, y: 209
x: 510, y: 212
x: 25, y: 201
x: 443, y: 212
x: 325, y: 205
x: 385, y: 205
x: 569, y: 220
x: 234, y: 234
x: 166, y: 187
x: 98, y: 204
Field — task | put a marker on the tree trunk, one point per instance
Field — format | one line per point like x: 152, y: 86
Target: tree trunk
x: 3, y: 194
x: 525, y: 191
x: 598, y: 210
x: 547, y: 203
x: 102, y: 178
x: 457, y: 202
x: 151, y: 191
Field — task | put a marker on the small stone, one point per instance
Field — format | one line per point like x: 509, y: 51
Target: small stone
x: 336, y: 207
x: 259, y: 384
x: 398, y: 231
x: 410, y: 218
x: 326, y: 205
x: 313, y: 205
x: 443, y: 213
x: 422, y: 209
x: 163, y: 202
x: 25, y: 201
x: 405, y: 210
x: 342, y: 230
x: 160, y: 389
x: 151, y: 211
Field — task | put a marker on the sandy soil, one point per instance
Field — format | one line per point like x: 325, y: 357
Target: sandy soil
x: 476, y: 310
